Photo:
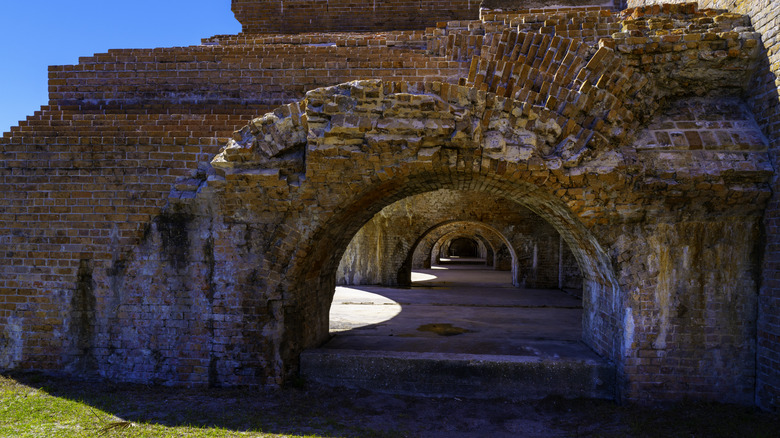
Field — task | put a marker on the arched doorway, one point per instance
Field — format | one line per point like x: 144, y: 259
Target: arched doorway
x: 499, y: 253
x: 463, y: 248
x: 583, y: 319
x: 584, y: 252
x: 365, y: 147
x: 439, y: 321
x: 455, y: 293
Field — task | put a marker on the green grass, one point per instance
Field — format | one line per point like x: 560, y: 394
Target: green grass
x: 27, y: 411
x: 35, y: 405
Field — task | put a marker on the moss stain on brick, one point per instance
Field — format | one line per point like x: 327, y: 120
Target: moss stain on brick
x: 173, y: 229
x: 83, y: 316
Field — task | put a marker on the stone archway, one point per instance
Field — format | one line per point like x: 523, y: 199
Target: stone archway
x: 422, y: 254
x: 458, y: 245
x: 636, y: 146
x: 463, y: 247
x: 413, y: 143
x: 379, y: 253
x: 288, y: 194
x: 365, y: 145
x: 316, y: 289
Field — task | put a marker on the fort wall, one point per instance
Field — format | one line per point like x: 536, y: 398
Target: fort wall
x: 764, y: 102
x: 296, y: 16
x: 130, y: 131
x: 128, y: 253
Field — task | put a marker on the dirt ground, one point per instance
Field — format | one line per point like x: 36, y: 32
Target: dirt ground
x: 336, y: 412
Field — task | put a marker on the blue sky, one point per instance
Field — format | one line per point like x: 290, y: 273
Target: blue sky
x: 37, y: 33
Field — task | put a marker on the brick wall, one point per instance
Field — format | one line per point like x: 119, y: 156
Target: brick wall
x: 546, y: 4
x: 763, y: 99
x: 124, y: 136
x: 232, y: 280
x: 80, y: 190
x: 295, y: 16
x: 243, y: 71
x: 570, y: 275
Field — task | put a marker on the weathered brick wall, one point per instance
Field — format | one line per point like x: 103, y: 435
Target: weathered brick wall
x: 684, y: 328
x: 764, y: 102
x: 126, y: 132
x: 229, y: 71
x: 723, y: 124
x: 233, y: 278
x: 570, y: 276
x: 296, y: 16
x: 80, y: 189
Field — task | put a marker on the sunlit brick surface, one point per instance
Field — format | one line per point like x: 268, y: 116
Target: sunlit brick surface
x: 179, y: 215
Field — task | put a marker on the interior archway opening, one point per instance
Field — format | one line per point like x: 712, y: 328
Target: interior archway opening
x: 462, y: 248
x: 316, y: 265
x: 416, y: 277
x: 432, y: 251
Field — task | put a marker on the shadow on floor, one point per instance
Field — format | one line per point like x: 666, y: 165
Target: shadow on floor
x: 464, y: 309
x: 329, y: 412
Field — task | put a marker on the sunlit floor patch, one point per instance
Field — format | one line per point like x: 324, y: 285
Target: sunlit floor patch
x: 420, y: 276
x: 463, y: 310
x: 354, y: 308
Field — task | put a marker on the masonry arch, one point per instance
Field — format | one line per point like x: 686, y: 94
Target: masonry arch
x: 423, y: 253
x: 378, y: 253
x: 310, y: 279
x: 460, y: 245
x: 364, y: 145
x: 463, y: 246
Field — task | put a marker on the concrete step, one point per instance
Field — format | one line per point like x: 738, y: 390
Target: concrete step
x: 460, y: 375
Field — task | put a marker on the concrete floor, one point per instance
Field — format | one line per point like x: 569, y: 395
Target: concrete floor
x: 463, y: 309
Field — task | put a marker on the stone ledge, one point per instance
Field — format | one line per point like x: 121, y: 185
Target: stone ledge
x: 460, y: 375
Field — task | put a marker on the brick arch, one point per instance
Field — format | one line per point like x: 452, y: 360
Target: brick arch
x: 323, y: 167
x: 378, y: 252
x: 424, y: 246
x: 467, y: 245
x: 309, y: 281
x: 464, y: 243
x: 433, y: 239
x: 446, y: 242
x: 552, y: 128
x: 348, y: 151
x: 444, y: 238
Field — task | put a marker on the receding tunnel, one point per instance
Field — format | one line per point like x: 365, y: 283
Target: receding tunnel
x: 492, y: 249
x: 463, y: 247
x: 418, y: 231
x: 456, y: 264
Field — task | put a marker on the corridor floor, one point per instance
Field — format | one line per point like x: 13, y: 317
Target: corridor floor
x: 459, y: 309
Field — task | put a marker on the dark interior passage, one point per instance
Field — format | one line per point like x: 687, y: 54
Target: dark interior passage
x: 463, y: 247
